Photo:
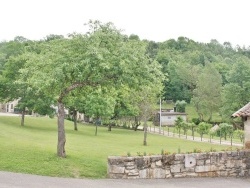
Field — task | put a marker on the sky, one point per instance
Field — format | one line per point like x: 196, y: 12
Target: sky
x: 157, y: 20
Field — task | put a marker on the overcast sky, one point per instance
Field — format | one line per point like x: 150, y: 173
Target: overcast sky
x: 158, y: 20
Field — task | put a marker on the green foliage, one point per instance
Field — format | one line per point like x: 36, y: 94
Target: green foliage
x: 191, y: 126
x: 206, y: 98
x: 103, y: 58
x: 185, y: 127
x: 196, y: 121
x: 180, y: 106
x: 178, y: 124
x: 203, y: 128
x: 240, y: 134
x: 29, y: 97
x: 235, y: 93
x: 225, y: 130
x: 100, y: 103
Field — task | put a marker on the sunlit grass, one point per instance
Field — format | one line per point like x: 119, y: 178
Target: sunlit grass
x: 32, y: 148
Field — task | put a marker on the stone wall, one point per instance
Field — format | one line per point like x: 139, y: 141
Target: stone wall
x: 214, y: 164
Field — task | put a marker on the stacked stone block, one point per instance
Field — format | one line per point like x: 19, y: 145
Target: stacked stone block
x: 214, y: 164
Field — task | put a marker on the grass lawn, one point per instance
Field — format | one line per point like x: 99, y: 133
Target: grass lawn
x: 32, y: 148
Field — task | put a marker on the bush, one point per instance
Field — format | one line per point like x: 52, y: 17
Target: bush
x: 196, y: 121
x: 180, y: 106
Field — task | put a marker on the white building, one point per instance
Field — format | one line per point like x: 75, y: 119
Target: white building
x: 8, y: 107
x: 168, y: 118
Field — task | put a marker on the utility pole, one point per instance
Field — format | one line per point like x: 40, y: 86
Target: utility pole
x: 160, y: 117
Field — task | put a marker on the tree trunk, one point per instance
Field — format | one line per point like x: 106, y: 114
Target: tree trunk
x: 109, y: 127
x: 210, y: 116
x: 61, y: 132
x: 75, y: 119
x: 96, y: 129
x: 96, y: 124
x: 137, y: 123
x: 145, y: 134
x: 23, y: 115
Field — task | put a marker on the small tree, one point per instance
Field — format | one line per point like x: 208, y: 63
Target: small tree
x: 185, y: 128
x: 203, y: 128
x: 225, y: 130
x: 178, y: 124
x: 240, y: 134
x: 192, y: 126
x: 213, y: 131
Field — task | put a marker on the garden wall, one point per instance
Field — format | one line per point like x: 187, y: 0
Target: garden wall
x: 214, y: 164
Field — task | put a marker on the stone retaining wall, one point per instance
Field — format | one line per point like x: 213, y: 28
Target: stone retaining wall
x: 214, y: 164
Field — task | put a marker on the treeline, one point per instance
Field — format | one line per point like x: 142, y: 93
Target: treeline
x: 213, y: 77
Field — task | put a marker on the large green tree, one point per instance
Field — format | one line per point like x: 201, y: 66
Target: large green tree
x: 207, y: 95
x: 235, y: 93
x: 103, y: 57
x: 28, y: 97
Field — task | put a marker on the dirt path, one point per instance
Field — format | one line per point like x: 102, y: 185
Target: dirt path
x: 155, y: 130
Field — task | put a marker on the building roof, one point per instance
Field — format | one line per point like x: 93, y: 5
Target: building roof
x: 172, y: 113
x: 243, y: 112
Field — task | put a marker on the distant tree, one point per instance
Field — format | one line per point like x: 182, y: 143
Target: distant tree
x: 53, y: 37
x: 207, y: 95
x: 180, y: 106
x: 75, y: 103
x: 100, y: 104
x: 152, y: 49
x: 134, y: 37
x: 235, y: 93
x: 174, y: 87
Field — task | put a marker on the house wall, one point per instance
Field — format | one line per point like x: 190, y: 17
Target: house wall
x: 247, y: 133
x: 8, y: 107
x: 214, y: 164
x: 169, y: 120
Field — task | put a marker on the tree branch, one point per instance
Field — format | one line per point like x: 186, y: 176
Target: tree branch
x: 72, y: 87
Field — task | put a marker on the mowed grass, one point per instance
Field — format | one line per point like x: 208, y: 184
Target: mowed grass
x: 32, y: 148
